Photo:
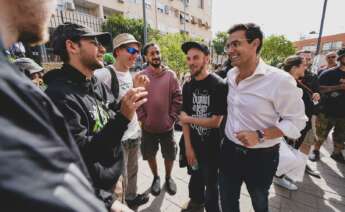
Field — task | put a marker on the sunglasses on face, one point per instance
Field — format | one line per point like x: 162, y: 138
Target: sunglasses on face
x: 331, y: 57
x: 132, y: 50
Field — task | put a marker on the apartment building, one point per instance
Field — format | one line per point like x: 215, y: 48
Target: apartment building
x: 168, y: 16
x: 328, y: 43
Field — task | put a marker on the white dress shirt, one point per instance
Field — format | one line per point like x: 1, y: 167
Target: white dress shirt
x: 268, y: 98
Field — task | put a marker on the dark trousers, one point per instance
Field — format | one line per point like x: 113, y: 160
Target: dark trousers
x: 255, y: 167
x: 203, y: 186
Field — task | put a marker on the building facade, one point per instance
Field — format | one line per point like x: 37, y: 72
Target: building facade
x: 168, y: 16
x: 328, y: 43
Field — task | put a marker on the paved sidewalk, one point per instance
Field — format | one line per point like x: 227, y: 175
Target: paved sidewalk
x: 314, y: 195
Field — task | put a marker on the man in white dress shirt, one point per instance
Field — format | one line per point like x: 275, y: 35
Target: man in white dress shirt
x: 264, y: 104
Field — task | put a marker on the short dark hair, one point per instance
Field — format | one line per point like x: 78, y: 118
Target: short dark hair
x: 252, y: 32
x: 291, y: 61
x: 147, y: 46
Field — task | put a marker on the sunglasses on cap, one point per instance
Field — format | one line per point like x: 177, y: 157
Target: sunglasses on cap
x: 132, y: 50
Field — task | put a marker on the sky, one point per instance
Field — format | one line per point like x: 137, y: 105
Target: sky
x: 292, y: 18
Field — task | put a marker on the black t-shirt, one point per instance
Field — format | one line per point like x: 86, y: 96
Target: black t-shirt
x: 334, y: 102
x: 203, y: 99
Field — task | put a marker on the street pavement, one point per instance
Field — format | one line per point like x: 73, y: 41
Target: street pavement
x: 313, y: 195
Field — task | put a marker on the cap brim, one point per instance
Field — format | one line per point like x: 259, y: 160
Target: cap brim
x: 103, y: 37
x: 127, y: 42
x: 340, y: 56
x: 189, y: 45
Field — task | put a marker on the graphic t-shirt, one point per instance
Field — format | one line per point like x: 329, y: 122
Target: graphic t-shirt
x: 334, y: 102
x: 125, y: 83
x: 203, y: 99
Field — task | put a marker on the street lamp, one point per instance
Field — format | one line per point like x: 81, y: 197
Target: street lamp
x: 321, y: 27
x: 145, y: 23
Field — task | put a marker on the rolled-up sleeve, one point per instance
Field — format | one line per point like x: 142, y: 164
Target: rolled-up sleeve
x: 290, y: 106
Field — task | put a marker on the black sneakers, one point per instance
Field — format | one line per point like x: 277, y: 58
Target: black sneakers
x: 140, y: 199
x: 170, y: 186
x: 338, y: 157
x: 315, y: 156
x: 156, y: 186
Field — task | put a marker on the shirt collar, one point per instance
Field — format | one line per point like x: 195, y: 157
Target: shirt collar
x: 261, y: 69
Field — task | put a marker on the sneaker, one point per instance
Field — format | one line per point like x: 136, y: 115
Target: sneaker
x: 170, y: 186
x: 315, y: 156
x: 283, y: 182
x: 311, y: 172
x: 338, y: 157
x: 192, y: 207
x: 140, y: 199
x: 156, y: 186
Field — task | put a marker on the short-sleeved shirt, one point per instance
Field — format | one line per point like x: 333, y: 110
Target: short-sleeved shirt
x: 203, y: 99
x: 334, y: 102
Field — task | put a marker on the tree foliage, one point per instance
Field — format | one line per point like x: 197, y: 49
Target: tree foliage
x: 172, y: 54
x: 117, y: 24
x: 276, y: 48
x: 219, y: 42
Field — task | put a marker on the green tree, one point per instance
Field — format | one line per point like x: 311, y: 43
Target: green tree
x: 276, y: 48
x: 172, y: 55
x: 117, y: 24
x: 219, y: 42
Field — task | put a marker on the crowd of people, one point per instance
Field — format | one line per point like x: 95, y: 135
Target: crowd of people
x: 73, y: 136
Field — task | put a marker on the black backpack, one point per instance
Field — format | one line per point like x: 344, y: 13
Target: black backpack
x: 114, y: 83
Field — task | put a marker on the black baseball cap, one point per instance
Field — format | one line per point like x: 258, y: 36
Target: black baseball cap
x: 74, y: 32
x: 195, y: 45
x: 341, y: 53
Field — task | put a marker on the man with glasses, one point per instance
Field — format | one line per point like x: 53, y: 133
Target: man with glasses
x: 118, y: 79
x: 158, y: 116
x: 332, y: 84
x: 331, y: 59
x: 264, y: 104
x: 96, y: 123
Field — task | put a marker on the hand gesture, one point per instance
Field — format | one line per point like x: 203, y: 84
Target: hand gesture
x: 140, y: 80
x: 183, y: 117
x: 190, y: 155
x: 132, y: 100
x: 248, y: 138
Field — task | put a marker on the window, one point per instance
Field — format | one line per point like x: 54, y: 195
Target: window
x: 327, y: 46
x: 337, y: 45
x: 311, y: 48
x: 160, y: 7
x: 201, y: 4
x: 166, y: 9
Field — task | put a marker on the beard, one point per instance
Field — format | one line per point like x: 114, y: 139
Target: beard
x: 91, y: 63
x: 33, y: 20
x: 197, y: 71
x: 155, y: 65
x: 34, y: 35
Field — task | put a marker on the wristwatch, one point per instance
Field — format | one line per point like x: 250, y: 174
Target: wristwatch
x: 261, y: 135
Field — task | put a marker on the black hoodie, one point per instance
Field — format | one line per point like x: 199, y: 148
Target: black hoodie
x: 88, y: 108
x: 41, y: 166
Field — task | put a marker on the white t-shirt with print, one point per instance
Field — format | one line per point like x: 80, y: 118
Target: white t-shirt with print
x: 125, y: 83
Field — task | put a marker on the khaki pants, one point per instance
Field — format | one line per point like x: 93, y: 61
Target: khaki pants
x: 126, y: 188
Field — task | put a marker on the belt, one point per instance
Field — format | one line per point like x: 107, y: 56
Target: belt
x: 245, y: 150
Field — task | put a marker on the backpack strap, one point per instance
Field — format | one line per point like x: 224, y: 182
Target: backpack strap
x: 114, y: 83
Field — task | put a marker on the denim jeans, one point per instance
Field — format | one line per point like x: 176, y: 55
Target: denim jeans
x: 254, y: 167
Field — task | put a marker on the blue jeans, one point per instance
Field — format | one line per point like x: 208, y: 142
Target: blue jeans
x: 255, y: 167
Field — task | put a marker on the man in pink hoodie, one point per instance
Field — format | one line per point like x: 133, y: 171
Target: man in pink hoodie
x: 158, y: 116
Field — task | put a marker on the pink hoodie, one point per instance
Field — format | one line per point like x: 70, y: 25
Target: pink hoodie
x: 160, y: 112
